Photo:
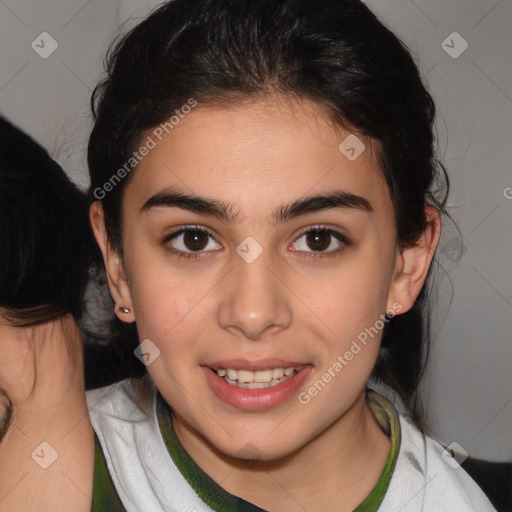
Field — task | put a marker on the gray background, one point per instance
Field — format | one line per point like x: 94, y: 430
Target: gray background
x: 468, y: 388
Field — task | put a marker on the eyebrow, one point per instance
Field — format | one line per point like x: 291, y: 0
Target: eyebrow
x: 227, y: 212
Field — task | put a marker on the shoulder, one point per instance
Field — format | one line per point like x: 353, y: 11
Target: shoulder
x: 143, y: 473
x: 427, y: 478
x: 122, y: 418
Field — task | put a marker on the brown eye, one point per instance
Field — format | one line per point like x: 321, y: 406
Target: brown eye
x: 318, y: 240
x: 187, y: 241
x: 195, y: 240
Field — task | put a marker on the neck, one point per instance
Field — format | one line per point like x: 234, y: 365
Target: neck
x: 42, y: 374
x: 346, y: 460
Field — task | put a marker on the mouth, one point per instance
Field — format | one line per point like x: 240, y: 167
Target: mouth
x: 248, y: 379
x: 256, y: 385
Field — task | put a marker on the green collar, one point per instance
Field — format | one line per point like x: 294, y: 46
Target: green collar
x: 222, y: 501
x: 104, y: 494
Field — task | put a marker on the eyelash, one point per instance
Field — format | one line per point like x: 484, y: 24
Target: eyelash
x: 193, y: 256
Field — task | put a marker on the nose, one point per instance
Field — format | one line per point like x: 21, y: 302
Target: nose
x: 255, y: 303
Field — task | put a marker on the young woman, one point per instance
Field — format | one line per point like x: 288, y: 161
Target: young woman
x: 262, y: 177
x: 46, y: 249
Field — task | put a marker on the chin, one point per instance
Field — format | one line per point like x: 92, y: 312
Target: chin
x: 254, y: 448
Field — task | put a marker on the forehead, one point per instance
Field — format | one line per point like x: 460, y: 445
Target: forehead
x: 257, y: 154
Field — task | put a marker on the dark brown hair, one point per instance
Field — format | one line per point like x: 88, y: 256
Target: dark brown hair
x: 335, y: 52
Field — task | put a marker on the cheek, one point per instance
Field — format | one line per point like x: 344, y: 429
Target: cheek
x: 352, y: 312
x: 170, y: 311
x: 351, y: 297
x: 165, y: 310
x: 159, y: 297
x: 351, y: 303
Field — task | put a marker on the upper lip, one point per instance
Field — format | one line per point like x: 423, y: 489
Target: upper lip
x: 254, y: 365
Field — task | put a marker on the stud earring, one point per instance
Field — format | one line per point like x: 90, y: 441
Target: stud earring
x: 122, y: 309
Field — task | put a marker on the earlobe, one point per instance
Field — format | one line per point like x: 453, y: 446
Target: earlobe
x: 116, y: 276
x: 413, y: 264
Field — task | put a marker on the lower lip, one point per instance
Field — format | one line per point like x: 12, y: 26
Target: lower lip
x: 255, y: 399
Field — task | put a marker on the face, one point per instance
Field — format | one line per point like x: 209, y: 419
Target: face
x: 263, y: 291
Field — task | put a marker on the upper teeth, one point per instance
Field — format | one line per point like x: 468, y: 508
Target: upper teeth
x: 257, y: 376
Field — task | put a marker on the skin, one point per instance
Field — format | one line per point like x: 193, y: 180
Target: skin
x: 41, y: 371
x: 289, y: 303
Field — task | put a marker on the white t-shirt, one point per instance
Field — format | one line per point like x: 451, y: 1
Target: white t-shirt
x: 145, y: 477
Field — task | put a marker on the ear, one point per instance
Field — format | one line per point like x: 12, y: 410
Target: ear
x: 116, y: 275
x: 412, y: 265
